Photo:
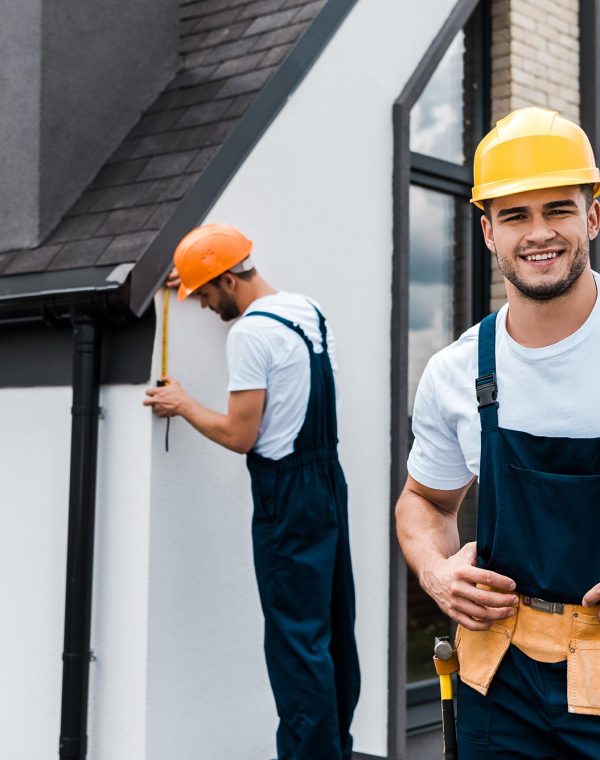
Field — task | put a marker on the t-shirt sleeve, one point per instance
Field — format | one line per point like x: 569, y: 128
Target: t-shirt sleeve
x: 436, y: 459
x: 248, y: 359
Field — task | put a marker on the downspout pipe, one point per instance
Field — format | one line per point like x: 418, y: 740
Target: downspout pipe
x: 82, y: 501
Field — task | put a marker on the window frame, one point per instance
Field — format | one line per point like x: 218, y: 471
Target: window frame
x: 437, y: 174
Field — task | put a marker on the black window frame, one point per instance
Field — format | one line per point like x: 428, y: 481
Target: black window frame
x: 425, y: 171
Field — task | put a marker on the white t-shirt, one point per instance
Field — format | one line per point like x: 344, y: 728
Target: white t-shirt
x: 263, y: 353
x: 550, y: 391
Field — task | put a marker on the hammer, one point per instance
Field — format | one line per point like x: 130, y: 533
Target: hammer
x: 446, y: 663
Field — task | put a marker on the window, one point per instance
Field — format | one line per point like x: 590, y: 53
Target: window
x: 447, y: 270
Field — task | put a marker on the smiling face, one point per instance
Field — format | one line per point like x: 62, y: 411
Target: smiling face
x: 541, y: 239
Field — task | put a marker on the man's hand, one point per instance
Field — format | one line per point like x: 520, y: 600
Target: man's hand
x: 452, y: 584
x: 592, y: 597
x: 166, y: 400
x: 173, y: 279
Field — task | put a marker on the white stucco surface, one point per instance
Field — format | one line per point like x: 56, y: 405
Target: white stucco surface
x: 315, y: 196
x: 34, y: 478
x: 118, y: 685
x: 208, y: 691
x: 177, y: 628
x: 34, y: 473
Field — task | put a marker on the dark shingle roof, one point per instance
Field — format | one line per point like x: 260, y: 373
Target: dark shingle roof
x: 230, y: 49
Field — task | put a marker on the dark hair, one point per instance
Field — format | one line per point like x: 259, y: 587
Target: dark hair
x: 587, y: 190
x: 487, y: 204
x: 588, y: 194
x: 242, y: 275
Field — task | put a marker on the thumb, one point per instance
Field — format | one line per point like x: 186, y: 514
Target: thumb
x: 469, y: 551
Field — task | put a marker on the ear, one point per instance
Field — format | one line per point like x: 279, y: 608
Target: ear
x: 488, y: 233
x: 593, y: 220
x: 228, y: 282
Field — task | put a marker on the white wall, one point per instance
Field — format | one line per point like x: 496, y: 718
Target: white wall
x: 176, y: 622
x: 118, y: 687
x: 316, y: 197
x: 34, y: 483
x: 208, y: 692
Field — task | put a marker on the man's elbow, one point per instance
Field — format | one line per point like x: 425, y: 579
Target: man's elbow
x: 242, y: 444
x: 241, y: 448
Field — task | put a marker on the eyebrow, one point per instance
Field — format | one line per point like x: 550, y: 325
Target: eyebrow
x: 547, y: 207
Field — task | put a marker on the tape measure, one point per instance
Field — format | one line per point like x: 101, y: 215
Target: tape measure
x: 164, y: 359
x: 164, y: 364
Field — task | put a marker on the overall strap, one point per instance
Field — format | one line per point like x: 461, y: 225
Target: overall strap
x: 322, y: 327
x: 287, y: 322
x: 486, y: 387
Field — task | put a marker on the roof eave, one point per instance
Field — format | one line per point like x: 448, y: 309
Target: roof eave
x: 151, y: 269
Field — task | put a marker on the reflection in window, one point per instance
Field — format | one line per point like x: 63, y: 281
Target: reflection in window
x: 432, y: 245
x: 437, y: 118
x: 438, y: 276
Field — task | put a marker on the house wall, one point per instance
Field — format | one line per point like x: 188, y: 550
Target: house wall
x: 51, y: 145
x: 34, y: 478
x: 20, y: 42
x: 176, y: 624
x: 34, y: 473
x: 315, y: 196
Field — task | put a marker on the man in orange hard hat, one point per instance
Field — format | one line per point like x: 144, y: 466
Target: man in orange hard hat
x: 282, y: 414
x: 514, y: 403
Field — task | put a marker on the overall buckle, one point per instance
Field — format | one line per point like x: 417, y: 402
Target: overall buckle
x: 553, y: 608
x: 486, y: 389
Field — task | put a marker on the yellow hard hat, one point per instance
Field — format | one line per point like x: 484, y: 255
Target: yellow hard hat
x: 207, y: 252
x: 531, y: 149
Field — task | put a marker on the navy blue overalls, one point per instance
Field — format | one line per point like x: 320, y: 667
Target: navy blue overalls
x: 537, y: 523
x: 304, y: 574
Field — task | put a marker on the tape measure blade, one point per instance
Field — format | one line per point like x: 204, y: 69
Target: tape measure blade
x: 164, y: 367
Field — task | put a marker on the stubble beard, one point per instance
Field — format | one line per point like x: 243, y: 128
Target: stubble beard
x: 227, y: 308
x: 545, y: 291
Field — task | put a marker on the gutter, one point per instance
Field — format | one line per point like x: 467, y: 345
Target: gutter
x: 80, y: 547
x: 53, y: 297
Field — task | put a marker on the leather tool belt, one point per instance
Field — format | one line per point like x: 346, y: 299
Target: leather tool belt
x: 546, y: 632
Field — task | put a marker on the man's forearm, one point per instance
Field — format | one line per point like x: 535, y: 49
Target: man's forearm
x: 426, y: 521
x: 214, y: 425
x: 426, y: 533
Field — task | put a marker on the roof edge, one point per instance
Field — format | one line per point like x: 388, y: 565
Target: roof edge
x: 151, y: 269
x: 53, y: 296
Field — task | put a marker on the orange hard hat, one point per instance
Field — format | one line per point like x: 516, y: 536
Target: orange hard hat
x: 205, y: 253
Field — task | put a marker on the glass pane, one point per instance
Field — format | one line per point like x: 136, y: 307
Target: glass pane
x: 438, y: 312
x: 431, y: 267
x: 437, y: 118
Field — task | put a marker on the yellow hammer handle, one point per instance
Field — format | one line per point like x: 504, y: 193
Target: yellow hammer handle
x: 446, y: 687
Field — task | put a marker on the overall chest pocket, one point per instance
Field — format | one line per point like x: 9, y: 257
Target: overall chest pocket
x: 546, y: 533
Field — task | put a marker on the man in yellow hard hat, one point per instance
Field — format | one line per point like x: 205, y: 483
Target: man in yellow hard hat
x: 513, y: 403
x: 282, y: 414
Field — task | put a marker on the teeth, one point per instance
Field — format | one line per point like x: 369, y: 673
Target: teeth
x: 541, y: 256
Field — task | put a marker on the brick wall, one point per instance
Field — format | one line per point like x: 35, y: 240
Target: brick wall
x: 535, y: 61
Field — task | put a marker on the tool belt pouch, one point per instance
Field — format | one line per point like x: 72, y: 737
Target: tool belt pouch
x: 481, y: 652
x: 583, y: 665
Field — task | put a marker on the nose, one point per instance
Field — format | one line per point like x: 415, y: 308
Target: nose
x: 541, y: 230
x: 203, y: 302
